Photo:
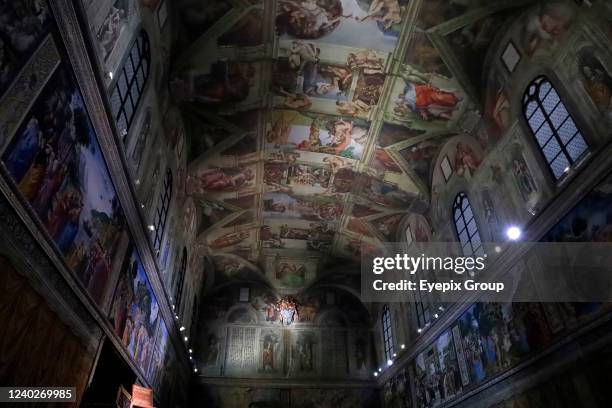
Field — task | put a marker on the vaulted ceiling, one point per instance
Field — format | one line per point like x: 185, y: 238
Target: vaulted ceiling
x: 315, y: 125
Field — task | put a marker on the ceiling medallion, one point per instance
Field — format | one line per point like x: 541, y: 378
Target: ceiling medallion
x: 288, y: 310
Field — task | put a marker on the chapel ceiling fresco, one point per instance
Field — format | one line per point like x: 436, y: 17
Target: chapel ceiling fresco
x: 315, y: 125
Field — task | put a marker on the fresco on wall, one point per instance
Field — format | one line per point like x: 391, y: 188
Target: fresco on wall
x: 545, y: 26
x: 495, y: 336
x: 217, y: 180
x: 113, y: 25
x: 421, y: 96
x: 392, y: 134
x: 199, y: 17
x: 497, y: 108
x: 56, y: 162
x: 155, y: 371
x: 336, y: 21
x: 438, y: 11
x: 23, y: 25
x: 304, y: 352
x: 317, y: 133
x: 522, y: 176
x: 134, y: 313
x: 286, y: 206
x: 595, y: 79
x: 247, y: 32
x: 396, y: 391
x: 422, y: 55
x: 437, y: 377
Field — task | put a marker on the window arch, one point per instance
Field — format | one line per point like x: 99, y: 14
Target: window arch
x: 554, y: 129
x: 465, y: 226
x: 181, y: 278
x: 161, y: 212
x: 130, y: 83
x: 387, y: 332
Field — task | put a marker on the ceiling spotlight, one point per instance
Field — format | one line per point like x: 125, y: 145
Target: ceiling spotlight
x: 182, y: 328
x: 190, y: 351
x: 195, y: 370
x: 419, y: 330
x: 375, y: 374
x: 394, y: 354
x: 498, y: 249
x: 389, y: 363
x: 190, y: 358
x: 380, y: 370
x: 110, y: 74
x: 514, y: 233
x: 403, y: 346
x: 441, y: 308
x: 186, y: 338
x: 176, y: 317
x: 151, y: 227
x: 436, y: 315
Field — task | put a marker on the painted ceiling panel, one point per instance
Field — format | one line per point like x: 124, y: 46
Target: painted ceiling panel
x: 317, y: 127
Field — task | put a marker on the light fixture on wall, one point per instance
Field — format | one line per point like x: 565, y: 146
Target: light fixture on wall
x: 389, y: 363
x: 514, y: 233
x: 151, y: 227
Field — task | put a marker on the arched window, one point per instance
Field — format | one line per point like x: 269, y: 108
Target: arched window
x: 465, y: 226
x: 130, y: 83
x: 553, y: 127
x: 387, y: 332
x: 161, y: 213
x: 181, y: 278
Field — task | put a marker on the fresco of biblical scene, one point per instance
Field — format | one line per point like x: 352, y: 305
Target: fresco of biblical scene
x: 470, y: 44
x: 264, y: 304
x: 228, y: 238
x: 423, y: 56
x: 439, y: 11
x: 545, y: 26
x: 247, y: 32
x: 423, y: 97
x: 374, y: 24
x: 418, y: 229
x: 226, y: 83
x: 359, y: 227
x: 222, y: 181
x: 212, y: 213
x: 114, y: 23
x: 271, y: 359
x: 383, y: 162
x: 288, y: 273
x: 134, y: 313
x: 353, y: 246
x: 209, y: 136
x: 497, y: 109
x: 57, y: 165
x: 421, y: 157
x: 308, y: 180
x: 437, y: 377
x: 495, y: 336
x: 396, y: 391
x: 589, y: 221
x: 297, y: 234
x: 233, y: 267
x: 595, y: 79
x: 460, y: 156
x: 386, y: 194
x: 304, y: 352
x: 521, y: 175
x: 280, y: 205
x: 199, y: 17
x: 317, y: 133
x: 156, y: 368
x: 23, y: 25
x: 391, y: 134
x: 387, y: 226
